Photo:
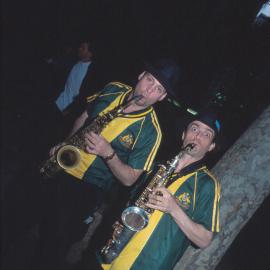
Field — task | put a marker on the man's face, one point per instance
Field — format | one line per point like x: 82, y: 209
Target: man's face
x: 150, y: 89
x: 83, y: 52
x: 201, y: 136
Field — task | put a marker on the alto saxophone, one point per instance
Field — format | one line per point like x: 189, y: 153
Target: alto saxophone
x: 68, y: 156
x: 135, y: 218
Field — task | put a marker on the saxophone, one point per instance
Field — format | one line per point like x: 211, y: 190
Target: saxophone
x: 68, y: 156
x: 135, y: 218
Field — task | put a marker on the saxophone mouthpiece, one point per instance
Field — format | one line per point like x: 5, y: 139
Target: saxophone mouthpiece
x: 191, y: 146
x: 188, y: 147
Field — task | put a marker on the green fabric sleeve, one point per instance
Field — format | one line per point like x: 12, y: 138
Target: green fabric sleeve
x: 144, y: 148
x: 205, y: 206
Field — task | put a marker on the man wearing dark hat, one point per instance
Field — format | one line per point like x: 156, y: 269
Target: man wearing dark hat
x: 186, y: 210
x: 117, y: 156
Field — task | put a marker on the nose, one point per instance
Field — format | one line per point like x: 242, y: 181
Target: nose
x: 150, y: 89
x: 197, y: 134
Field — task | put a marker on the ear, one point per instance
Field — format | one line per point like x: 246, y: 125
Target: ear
x: 141, y: 75
x: 212, y: 146
x: 163, y: 96
x: 183, y: 135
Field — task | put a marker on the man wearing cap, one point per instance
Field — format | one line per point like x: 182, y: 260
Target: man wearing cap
x: 125, y: 148
x: 186, y: 211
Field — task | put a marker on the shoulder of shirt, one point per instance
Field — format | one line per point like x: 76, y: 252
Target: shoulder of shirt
x: 118, y: 85
x: 152, y: 120
x: 110, y: 89
x: 208, y: 176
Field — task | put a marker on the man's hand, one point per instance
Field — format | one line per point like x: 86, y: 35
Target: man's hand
x: 55, y: 148
x: 97, y: 145
x: 161, y: 199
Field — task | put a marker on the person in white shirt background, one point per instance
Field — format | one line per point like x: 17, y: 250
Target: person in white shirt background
x: 75, y: 78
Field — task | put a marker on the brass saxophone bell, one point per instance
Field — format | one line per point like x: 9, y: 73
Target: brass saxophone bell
x: 68, y: 157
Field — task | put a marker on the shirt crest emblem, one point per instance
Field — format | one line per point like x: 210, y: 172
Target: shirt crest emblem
x: 127, y: 140
x: 184, y: 200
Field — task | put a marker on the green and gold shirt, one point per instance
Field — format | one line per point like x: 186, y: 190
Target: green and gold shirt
x: 161, y: 244
x: 135, y: 137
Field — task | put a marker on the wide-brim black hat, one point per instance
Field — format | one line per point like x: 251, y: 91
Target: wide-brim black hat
x: 167, y: 72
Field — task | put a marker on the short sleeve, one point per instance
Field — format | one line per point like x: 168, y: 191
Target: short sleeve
x: 206, y: 210
x: 145, y: 148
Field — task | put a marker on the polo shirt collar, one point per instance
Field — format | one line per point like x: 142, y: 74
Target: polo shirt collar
x: 191, y: 168
x: 136, y: 113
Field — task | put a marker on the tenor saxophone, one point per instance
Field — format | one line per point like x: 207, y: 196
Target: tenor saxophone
x: 135, y: 218
x: 68, y: 156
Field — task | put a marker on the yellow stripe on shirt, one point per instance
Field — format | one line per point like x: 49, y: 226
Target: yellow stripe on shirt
x: 153, y: 153
x: 215, y: 211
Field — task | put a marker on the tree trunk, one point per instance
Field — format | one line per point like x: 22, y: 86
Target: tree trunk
x: 244, y: 173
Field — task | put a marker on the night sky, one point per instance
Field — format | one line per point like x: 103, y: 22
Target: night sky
x: 216, y: 44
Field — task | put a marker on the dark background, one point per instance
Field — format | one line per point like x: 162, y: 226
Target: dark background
x: 225, y: 60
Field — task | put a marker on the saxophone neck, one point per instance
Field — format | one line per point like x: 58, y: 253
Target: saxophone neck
x: 174, y: 162
x: 126, y: 104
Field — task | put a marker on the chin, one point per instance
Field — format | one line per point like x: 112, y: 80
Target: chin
x: 142, y: 103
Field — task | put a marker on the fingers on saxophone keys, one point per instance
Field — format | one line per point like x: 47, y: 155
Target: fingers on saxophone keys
x: 89, y: 147
x: 153, y: 199
x: 151, y: 205
x: 88, y: 141
x: 87, y: 137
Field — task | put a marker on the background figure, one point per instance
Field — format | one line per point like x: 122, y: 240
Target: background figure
x: 110, y: 161
x: 84, y: 79
x: 187, y: 209
x: 75, y: 77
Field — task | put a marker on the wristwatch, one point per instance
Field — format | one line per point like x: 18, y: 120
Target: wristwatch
x: 109, y: 157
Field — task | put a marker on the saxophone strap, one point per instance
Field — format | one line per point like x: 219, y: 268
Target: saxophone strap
x: 196, y: 166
